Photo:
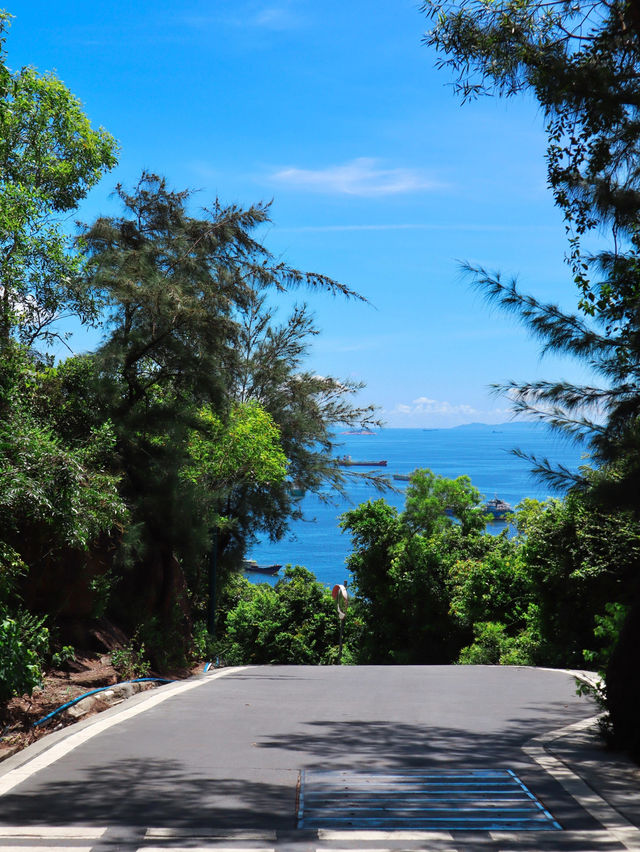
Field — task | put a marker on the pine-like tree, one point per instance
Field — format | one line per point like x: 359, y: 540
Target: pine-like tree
x: 581, y: 61
x: 176, y: 291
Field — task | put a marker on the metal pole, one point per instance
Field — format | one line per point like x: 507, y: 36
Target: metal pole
x: 213, y: 571
x: 337, y: 593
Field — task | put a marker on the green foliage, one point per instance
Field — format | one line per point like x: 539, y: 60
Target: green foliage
x: 130, y: 661
x: 493, y: 645
x: 246, y: 448
x: 50, y: 157
x: 496, y: 588
x: 102, y: 587
x: 607, y: 630
x: 401, y: 564
x: 22, y: 643
x: 427, y: 592
x: 272, y: 370
x: 581, y: 61
x: 293, y: 622
x: 202, y: 647
x: 52, y: 496
x: 433, y: 502
x: 193, y: 451
x: 66, y: 654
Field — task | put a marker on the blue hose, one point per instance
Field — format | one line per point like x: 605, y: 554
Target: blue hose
x: 93, y: 692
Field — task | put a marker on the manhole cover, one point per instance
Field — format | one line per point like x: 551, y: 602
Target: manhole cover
x: 482, y: 799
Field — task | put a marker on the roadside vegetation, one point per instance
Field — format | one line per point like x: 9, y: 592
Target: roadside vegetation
x: 133, y: 478
x: 430, y: 585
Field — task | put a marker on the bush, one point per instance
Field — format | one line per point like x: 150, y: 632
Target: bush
x: 494, y: 646
x: 23, y: 642
x: 130, y: 662
x: 293, y: 622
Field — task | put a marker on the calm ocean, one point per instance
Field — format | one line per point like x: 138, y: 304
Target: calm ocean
x: 482, y: 452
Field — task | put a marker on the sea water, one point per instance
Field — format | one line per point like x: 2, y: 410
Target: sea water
x: 484, y: 453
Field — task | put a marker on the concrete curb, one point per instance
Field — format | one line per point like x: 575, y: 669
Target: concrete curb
x: 593, y: 803
x: 50, y: 748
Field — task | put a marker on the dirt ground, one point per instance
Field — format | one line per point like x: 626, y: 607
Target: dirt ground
x: 88, y: 672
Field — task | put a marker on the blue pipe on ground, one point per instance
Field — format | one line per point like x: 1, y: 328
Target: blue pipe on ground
x: 94, y: 691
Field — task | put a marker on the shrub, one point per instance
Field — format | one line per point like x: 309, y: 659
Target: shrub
x: 23, y: 642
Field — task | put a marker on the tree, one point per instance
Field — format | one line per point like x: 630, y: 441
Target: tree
x: 293, y: 622
x: 59, y: 504
x: 434, y: 503
x: 401, y: 563
x: 271, y: 372
x: 49, y: 159
x: 581, y: 61
x: 176, y: 291
x: 569, y: 556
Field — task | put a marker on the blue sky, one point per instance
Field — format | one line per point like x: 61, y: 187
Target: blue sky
x: 379, y: 177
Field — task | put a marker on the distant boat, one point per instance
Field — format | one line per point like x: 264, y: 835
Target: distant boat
x: 296, y: 490
x: 347, y: 461
x: 250, y: 566
x: 498, y: 508
x: 402, y: 477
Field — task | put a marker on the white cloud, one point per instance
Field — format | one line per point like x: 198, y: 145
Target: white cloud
x: 425, y: 411
x: 273, y: 16
x: 363, y: 176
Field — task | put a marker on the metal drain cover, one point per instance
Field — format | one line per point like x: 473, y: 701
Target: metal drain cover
x: 474, y: 799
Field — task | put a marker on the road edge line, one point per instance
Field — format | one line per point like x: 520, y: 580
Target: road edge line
x: 606, y: 814
x: 40, y: 761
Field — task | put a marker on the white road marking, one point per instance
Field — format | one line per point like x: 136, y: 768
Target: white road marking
x: 600, y: 837
x: 623, y: 831
x: 22, y: 773
x: 436, y: 848
x: 47, y: 849
x: 209, y: 834
x: 51, y: 832
x: 202, y: 849
x: 400, y: 834
x: 382, y: 849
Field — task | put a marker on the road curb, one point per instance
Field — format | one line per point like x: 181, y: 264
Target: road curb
x: 593, y: 803
x: 11, y: 775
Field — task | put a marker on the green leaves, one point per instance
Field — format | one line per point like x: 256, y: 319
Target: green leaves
x: 433, y: 502
x: 294, y: 622
x: 246, y: 449
x: 50, y: 157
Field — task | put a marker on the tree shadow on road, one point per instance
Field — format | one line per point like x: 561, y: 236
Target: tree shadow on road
x: 166, y: 793
x: 157, y: 792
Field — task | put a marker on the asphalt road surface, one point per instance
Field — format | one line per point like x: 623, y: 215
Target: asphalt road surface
x: 267, y: 757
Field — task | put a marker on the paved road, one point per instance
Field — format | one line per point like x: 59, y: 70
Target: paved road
x: 233, y: 753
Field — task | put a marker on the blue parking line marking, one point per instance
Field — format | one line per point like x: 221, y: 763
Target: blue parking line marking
x: 485, y: 799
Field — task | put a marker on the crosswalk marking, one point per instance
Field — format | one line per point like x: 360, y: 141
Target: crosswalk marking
x: 436, y: 848
x: 215, y: 848
x: 331, y: 834
x: 432, y: 800
x: 52, y: 832
x: 4, y: 848
x: 208, y: 834
x: 567, y: 837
